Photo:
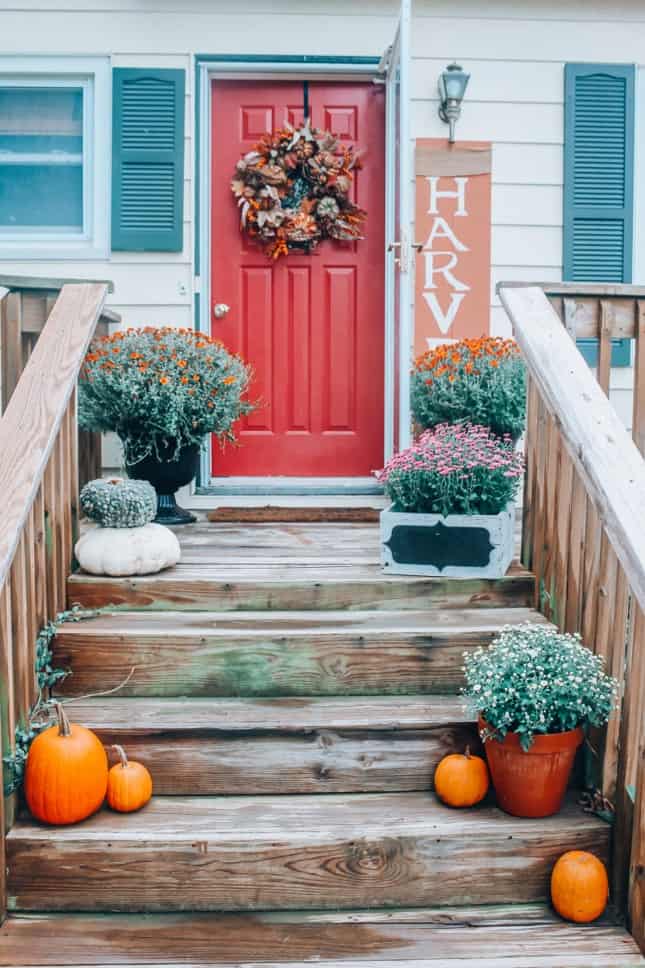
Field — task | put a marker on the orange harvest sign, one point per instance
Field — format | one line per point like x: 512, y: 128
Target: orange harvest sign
x: 453, y: 230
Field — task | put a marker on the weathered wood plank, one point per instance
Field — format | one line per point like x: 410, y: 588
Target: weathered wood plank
x: 251, y: 588
x: 636, y: 899
x: 11, y: 342
x: 515, y: 935
x: 528, y: 510
x: 276, y: 653
x: 336, y: 851
x: 606, y: 327
x: 230, y: 746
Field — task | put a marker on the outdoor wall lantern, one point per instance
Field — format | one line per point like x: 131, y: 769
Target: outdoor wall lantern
x: 452, y: 87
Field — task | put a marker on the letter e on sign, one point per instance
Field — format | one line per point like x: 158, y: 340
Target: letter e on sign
x: 453, y: 221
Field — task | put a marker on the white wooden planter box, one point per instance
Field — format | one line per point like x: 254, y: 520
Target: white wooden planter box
x: 457, y: 546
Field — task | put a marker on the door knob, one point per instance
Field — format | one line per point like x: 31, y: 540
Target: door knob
x: 220, y: 310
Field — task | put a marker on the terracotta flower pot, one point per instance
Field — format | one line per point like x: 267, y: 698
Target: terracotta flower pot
x: 532, y: 783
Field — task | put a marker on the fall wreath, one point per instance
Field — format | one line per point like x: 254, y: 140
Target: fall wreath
x: 293, y: 190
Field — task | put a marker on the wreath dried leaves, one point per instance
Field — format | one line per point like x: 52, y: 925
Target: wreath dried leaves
x: 293, y: 189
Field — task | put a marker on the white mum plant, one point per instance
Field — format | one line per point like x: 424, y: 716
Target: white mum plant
x: 533, y: 679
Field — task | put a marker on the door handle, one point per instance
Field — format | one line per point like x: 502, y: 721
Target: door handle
x: 220, y: 310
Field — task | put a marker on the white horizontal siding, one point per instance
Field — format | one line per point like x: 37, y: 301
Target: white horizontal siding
x: 527, y: 164
x: 493, y: 121
x: 173, y: 32
x: 533, y: 38
x: 529, y: 204
x: 493, y: 80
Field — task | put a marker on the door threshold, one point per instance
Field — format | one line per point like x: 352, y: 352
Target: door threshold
x: 289, y: 486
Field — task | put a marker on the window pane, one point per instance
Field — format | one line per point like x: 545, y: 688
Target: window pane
x: 41, y: 160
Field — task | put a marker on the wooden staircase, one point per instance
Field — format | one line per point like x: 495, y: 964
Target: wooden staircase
x: 291, y: 702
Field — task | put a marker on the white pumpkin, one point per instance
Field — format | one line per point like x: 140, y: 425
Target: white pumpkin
x: 127, y: 551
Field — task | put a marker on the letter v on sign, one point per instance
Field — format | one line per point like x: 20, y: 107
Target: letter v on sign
x: 444, y: 320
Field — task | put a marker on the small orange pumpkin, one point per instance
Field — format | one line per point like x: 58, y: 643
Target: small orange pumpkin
x: 129, y: 784
x: 461, y: 780
x: 579, y: 886
x: 66, y: 772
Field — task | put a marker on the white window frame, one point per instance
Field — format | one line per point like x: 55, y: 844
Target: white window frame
x: 93, y: 76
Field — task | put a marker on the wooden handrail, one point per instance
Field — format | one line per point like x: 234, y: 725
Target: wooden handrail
x: 39, y: 486
x: 610, y: 464
x: 584, y: 537
x: 36, y: 409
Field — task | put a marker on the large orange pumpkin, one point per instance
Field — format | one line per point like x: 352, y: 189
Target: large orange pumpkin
x: 66, y: 772
x: 461, y: 780
x: 579, y: 886
x: 129, y: 784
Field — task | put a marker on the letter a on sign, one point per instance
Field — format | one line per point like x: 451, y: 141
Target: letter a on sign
x: 453, y: 222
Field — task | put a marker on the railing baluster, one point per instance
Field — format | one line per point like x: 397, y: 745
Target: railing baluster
x: 7, y: 696
x: 637, y: 866
x: 20, y: 630
x: 577, y: 524
x: 528, y: 514
x: 638, y: 418
x: 605, y: 646
x: 11, y: 339
x: 562, y: 526
x: 631, y: 731
x: 31, y: 603
x: 606, y: 318
x: 550, y: 507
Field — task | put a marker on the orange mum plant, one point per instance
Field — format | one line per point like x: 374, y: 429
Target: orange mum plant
x: 481, y: 381
x: 155, y: 387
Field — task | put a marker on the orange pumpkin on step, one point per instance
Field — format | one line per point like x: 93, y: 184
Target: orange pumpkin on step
x: 129, y: 784
x: 66, y: 773
x: 461, y: 780
x: 579, y: 886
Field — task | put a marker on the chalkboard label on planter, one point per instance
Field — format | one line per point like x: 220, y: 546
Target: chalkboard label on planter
x: 440, y: 546
x: 454, y: 546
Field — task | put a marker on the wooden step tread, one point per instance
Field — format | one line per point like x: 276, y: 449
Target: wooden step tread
x: 284, y: 566
x: 276, y: 653
x: 286, y: 852
x: 307, y: 566
x: 267, y: 585
x: 293, y: 715
x: 430, y: 623
x: 266, y: 746
x: 517, y: 936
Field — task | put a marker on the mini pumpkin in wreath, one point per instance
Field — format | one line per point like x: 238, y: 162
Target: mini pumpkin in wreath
x: 293, y: 190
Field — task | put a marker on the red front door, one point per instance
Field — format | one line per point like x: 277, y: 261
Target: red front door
x: 311, y: 325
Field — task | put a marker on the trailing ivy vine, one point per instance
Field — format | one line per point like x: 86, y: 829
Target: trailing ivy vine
x: 47, y: 677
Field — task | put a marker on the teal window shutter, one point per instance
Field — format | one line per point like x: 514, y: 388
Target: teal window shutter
x: 599, y: 182
x: 148, y: 159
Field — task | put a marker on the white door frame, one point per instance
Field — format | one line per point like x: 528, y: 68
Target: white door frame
x: 333, y: 69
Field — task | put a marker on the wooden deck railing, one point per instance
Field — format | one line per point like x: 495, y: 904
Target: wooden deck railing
x: 584, y: 533
x: 25, y: 305
x: 39, y: 493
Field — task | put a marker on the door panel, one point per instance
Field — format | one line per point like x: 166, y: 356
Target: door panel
x: 311, y: 325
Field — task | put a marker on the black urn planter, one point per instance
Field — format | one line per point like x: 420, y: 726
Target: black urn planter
x: 167, y: 476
